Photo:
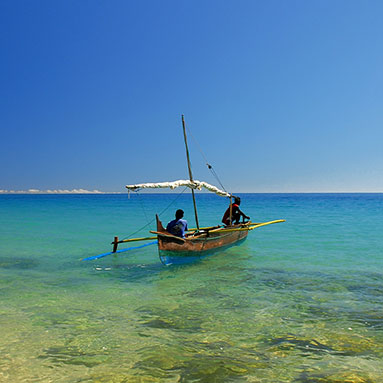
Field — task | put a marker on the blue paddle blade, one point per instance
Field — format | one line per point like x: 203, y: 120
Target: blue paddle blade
x: 118, y: 251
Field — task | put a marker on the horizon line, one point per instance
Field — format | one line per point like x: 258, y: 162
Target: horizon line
x: 98, y: 192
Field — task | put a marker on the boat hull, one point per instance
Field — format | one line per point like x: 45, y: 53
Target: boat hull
x: 178, y: 250
x: 169, y: 257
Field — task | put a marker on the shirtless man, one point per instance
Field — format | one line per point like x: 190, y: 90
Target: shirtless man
x: 236, y: 213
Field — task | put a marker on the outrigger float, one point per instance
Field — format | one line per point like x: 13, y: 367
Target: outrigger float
x: 199, y: 241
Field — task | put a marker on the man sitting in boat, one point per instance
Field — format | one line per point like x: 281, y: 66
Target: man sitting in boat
x: 236, y: 213
x: 178, y: 226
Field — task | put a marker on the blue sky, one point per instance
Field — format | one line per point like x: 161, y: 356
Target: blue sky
x: 282, y: 96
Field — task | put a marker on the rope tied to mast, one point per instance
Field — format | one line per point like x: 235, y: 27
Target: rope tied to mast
x: 209, y: 166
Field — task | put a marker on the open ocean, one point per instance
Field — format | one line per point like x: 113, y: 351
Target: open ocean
x: 300, y: 301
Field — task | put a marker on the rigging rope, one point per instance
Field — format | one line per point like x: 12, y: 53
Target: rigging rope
x: 142, y: 206
x: 210, y: 167
x: 151, y: 221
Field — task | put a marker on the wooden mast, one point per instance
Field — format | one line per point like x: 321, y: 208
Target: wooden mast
x: 190, y: 172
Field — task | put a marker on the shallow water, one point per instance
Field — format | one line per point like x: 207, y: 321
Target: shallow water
x: 299, y: 301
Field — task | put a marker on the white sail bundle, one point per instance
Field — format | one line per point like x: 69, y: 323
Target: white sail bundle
x: 197, y: 185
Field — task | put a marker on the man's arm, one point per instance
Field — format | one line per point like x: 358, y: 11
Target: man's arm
x: 243, y: 214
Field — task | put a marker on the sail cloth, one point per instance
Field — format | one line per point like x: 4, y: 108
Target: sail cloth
x: 175, y: 184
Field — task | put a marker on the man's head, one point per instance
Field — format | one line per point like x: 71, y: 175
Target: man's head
x: 237, y: 200
x: 179, y: 214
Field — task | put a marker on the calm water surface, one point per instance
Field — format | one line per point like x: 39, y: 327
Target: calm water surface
x: 300, y: 301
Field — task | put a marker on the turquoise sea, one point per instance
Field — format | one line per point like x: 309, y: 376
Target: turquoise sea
x: 300, y: 301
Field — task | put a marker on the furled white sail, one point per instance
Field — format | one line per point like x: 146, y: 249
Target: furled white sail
x: 175, y: 184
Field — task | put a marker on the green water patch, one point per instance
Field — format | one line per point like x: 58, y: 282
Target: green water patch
x: 128, y: 271
x: 72, y: 355
x: 177, y: 324
x: 199, y: 361
x: 371, y: 290
x: 304, y: 346
x: 18, y: 263
x: 197, y: 368
x: 73, y: 320
x: 374, y: 320
x: 178, y: 319
x: 334, y: 377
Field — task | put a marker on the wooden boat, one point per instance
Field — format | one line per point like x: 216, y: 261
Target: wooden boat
x: 196, y: 243
x: 201, y: 240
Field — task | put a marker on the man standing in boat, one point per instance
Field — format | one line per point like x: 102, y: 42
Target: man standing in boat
x: 178, y: 226
x: 236, y: 213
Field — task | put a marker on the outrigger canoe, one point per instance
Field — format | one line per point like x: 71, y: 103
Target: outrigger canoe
x: 200, y: 241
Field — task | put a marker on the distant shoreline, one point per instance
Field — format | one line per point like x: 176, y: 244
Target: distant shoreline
x: 6, y: 192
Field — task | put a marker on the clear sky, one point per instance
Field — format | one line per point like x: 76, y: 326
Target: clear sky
x: 282, y: 96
